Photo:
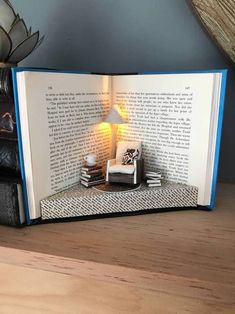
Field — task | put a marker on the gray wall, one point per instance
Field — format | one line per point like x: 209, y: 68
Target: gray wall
x: 129, y: 36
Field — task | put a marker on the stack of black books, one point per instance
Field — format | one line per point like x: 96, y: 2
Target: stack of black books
x: 153, y: 178
x: 92, y: 175
x: 11, y: 202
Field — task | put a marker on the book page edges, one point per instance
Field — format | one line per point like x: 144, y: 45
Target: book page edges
x: 218, y: 136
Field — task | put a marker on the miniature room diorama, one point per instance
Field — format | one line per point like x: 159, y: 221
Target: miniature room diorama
x: 120, y: 184
x: 106, y: 143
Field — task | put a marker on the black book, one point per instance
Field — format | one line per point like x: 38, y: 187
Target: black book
x: 9, y: 158
x: 91, y: 168
x: 97, y: 178
x: 11, y: 202
x: 91, y: 175
x: 88, y: 184
x: 7, y: 110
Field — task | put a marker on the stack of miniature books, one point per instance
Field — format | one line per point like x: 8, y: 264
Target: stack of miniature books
x: 153, y: 178
x: 92, y: 175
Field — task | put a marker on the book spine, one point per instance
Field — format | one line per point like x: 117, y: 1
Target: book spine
x: 153, y: 181
x: 10, y: 204
x: 9, y: 160
x: 88, y: 184
x: 91, y: 169
x: 154, y: 176
x: 154, y: 184
x: 92, y: 175
x: 7, y: 110
x: 92, y: 179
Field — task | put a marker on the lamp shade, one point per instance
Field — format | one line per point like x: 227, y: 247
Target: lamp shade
x: 114, y: 116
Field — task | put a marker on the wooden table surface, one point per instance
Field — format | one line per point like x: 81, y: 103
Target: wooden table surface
x: 173, y: 262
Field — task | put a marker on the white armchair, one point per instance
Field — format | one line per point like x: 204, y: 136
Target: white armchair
x: 132, y: 171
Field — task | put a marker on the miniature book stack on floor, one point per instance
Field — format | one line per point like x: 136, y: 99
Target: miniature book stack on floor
x: 153, y: 178
x: 92, y: 175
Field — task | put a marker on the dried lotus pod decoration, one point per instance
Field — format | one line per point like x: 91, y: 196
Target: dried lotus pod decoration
x: 16, y: 41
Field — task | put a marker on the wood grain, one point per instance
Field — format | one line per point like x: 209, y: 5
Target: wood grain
x: 36, y: 291
x: 218, y: 18
x: 173, y: 262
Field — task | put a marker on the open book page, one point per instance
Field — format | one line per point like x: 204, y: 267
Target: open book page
x: 61, y: 118
x: 170, y: 114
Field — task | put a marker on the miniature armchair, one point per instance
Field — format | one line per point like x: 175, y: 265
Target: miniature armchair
x: 127, y: 167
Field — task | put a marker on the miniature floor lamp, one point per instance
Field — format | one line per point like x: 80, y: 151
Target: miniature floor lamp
x: 114, y: 118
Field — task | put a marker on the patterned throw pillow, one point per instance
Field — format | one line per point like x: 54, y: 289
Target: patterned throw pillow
x: 129, y: 156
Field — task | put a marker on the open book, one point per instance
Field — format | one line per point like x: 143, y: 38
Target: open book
x: 177, y: 116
